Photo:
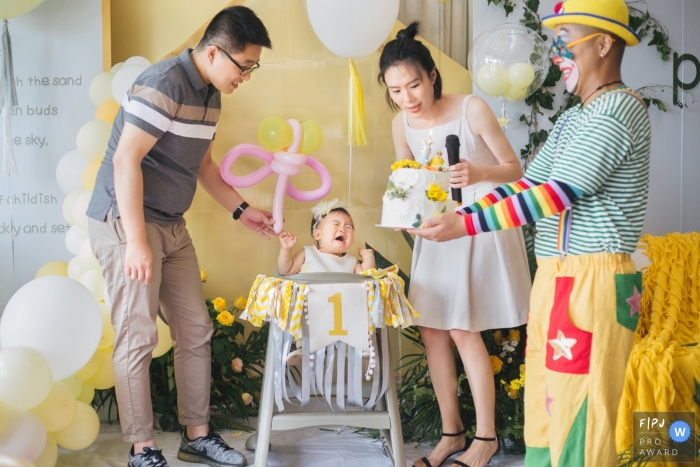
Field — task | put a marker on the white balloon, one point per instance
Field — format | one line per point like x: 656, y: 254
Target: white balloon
x: 69, y: 171
x: 101, y: 88
x: 76, y: 268
x: 57, y: 316
x: 352, y: 28
x: 108, y: 301
x: 68, y: 203
x: 87, y: 256
x: 24, y: 437
x: 138, y: 61
x: 74, y: 238
x: 124, y: 79
x: 95, y: 283
x: 7, y: 461
x: 80, y: 206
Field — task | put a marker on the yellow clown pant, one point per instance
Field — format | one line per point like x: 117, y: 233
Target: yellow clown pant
x: 583, y: 315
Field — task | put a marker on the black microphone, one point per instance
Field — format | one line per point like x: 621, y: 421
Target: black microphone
x: 452, y: 146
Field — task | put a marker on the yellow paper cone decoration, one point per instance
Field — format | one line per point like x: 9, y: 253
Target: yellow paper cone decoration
x: 357, y: 133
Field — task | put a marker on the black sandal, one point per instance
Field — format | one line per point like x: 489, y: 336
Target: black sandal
x: 478, y: 438
x: 466, y: 445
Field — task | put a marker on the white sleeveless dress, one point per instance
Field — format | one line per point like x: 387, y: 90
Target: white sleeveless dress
x: 318, y: 261
x: 471, y: 283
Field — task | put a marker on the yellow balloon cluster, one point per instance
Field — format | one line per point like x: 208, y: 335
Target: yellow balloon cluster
x: 495, y: 80
x: 275, y: 134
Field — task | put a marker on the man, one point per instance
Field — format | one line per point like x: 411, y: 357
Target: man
x: 160, y: 147
x: 587, y: 190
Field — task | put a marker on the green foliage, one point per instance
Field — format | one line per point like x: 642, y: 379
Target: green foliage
x: 227, y: 386
x: 508, y: 5
x: 643, y: 23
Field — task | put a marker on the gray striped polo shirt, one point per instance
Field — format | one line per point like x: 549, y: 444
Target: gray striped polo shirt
x: 171, y: 102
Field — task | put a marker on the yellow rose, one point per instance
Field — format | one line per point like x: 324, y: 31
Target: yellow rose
x: 522, y: 370
x: 496, y: 364
x: 240, y: 302
x: 247, y: 398
x: 514, y: 335
x: 225, y: 318
x: 219, y: 304
x: 513, y: 393
x: 237, y: 365
x: 498, y: 338
x: 203, y: 275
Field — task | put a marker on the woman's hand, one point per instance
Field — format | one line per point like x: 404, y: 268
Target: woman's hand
x: 464, y: 174
x: 442, y: 228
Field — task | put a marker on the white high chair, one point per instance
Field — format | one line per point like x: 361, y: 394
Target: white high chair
x: 384, y: 416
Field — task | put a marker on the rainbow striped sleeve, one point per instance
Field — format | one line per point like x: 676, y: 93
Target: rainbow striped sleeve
x: 524, y: 207
x: 500, y: 193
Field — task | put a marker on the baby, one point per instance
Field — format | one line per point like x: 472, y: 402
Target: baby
x: 333, y: 231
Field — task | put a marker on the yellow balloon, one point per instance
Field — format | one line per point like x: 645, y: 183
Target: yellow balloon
x: 521, y: 75
x: 107, y: 339
x: 116, y: 67
x: 90, y: 174
x: 49, y: 456
x: 492, y: 78
x: 165, y: 342
x: 25, y: 378
x: 54, y: 268
x: 101, y: 89
x: 275, y: 134
x: 89, y: 370
x: 14, y: 8
x: 82, y: 431
x: 311, y: 137
x: 107, y: 110
x: 3, y: 417
x: 74, y: 383
x: 58, y: 409
x: 514, y: 94
x: 88, y: 392
x: 104, y: 378
x: 92, y: 139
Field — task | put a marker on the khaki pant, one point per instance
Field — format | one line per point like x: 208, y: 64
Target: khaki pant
x: 176, y: 285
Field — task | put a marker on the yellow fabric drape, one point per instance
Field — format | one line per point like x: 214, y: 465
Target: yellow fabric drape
x: 357, y: 131
x: 665, y: 358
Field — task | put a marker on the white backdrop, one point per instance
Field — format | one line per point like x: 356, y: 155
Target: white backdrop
x: 675, y: 157
x: 57, y: 51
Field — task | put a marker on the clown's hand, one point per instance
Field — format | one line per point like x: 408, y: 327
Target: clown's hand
x: 442, y: 228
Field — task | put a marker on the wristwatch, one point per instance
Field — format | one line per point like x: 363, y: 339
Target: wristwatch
x: 239, y: 210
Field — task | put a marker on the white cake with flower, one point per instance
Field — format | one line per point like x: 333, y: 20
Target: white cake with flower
x: 416, y: 192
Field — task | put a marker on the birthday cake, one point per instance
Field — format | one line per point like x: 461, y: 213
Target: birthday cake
x: 416, y: 192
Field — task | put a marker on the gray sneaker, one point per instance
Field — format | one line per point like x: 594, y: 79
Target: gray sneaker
x: 210, y: 450
x: 150, y: 457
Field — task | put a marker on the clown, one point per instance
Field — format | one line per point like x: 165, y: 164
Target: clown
x: 587, y: 191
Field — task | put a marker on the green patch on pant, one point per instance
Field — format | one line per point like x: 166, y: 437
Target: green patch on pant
x: 537, y: 457
x: 628, y: 289
x: 574, y: 452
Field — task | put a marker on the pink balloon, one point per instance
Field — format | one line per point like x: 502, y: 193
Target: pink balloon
x: 285, y: 164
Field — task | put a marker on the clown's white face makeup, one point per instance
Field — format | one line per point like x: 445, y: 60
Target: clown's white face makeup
x: 567, y: 66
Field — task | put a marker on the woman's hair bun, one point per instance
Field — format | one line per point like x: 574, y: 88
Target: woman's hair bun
x: 410, y: 32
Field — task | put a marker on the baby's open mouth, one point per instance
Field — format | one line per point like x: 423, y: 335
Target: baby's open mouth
x: 340, y: 238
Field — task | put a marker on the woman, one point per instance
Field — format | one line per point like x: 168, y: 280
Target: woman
x: 468, y: 285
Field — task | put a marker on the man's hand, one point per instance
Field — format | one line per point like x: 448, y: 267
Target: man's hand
x: 138, y: 263
x: 464, y: 174
x: 258, y: 220
x: 442, y: 228
x: 288, y: 240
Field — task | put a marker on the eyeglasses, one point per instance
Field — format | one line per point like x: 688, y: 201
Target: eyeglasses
x: 244, y: 70
x: 562, y: 49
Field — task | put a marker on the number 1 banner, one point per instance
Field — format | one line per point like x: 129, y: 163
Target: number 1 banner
x: 338, y: 312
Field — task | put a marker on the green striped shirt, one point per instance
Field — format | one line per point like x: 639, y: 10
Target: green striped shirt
x: 604, y: 151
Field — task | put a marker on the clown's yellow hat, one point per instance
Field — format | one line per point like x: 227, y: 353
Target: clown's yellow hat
x: 608, y: 15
